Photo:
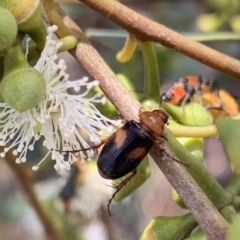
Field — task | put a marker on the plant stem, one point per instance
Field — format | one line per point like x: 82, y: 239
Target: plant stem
x: 52, y: 14
x: 193, y: 132
x: 234, y: 184
x: 14, y: 59
x: 151, y: 79
x: 199, y: 37
x: 236, y: 202
x: 27, y: 186
x: 145, y: 29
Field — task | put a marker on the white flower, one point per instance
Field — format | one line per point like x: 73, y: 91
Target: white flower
x: 91, y: 193
x: 61, y: 118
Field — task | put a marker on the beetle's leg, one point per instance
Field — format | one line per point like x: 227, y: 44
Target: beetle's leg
x: 119, y: 187
x: 164, y: 137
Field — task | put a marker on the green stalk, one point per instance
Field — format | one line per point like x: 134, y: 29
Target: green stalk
x: 151, y: 78
x: 14, y: 59
x: 234, y: 185
x: 53, y: 16
x: 236, y: 202
x: 205, y: 180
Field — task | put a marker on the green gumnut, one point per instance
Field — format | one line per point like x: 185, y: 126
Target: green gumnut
x: 150, y: 105
x: 192, y: 114
x: 8, y: 29
x: 28, y: 16
x: 109, y: 109
x: 169, y: 228
x: 194, y: 145
x: 229, y: 134
x: 143, y: 173
x: 19, y: 9
x: 23, y: 88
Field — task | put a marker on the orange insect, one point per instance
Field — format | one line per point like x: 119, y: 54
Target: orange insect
x: 203, y: 91
x: 223, y: 104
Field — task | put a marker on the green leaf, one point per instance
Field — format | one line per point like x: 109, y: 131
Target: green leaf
x: 229, y: 134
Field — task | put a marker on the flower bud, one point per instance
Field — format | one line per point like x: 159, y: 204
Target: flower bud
x: 28, y: 16
x: 23, y: 89
x: 8, y: 29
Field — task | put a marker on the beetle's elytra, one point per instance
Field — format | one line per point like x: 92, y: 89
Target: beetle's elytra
x: 126, y: 148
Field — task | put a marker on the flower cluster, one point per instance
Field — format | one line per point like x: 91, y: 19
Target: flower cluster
x: 61, y: 119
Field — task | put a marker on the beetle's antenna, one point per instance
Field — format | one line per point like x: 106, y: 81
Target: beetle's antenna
x: 96, y: 146
x: 159, y: 145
